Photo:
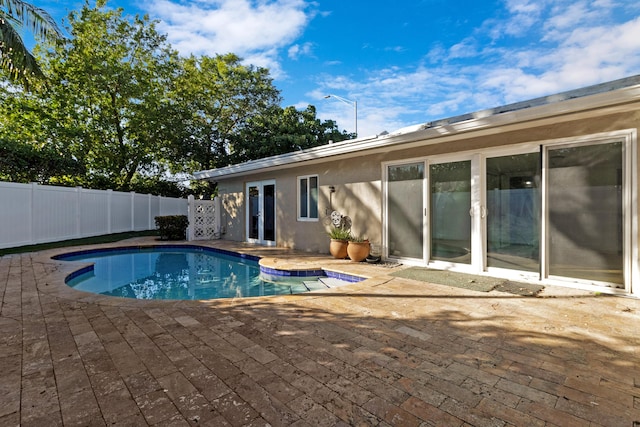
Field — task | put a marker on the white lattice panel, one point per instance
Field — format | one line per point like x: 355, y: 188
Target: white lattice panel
x: 204, y: 219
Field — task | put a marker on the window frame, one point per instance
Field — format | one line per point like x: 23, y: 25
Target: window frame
x: 309, y: 198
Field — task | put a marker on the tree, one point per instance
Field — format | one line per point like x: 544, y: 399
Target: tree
x: 129, y: 114
x: 218, y: 96
x: 280, y: 131
x: 15, y: 58
x: 20, y: 162
x: 28, y: 151
x: 108, y: 96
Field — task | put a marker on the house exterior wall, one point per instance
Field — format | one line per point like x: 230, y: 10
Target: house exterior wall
x: 358, y: 180
x: 357, y: 195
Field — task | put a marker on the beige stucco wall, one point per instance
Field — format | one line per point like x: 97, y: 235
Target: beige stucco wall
x: 357, y: 195
x: 358, y: 180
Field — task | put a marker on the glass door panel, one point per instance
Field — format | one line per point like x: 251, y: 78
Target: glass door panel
x: 254, y: 212
x: 405, y: 206
x: 450, y: 227
x: 585, y: 212
x: 513, y: 212
x: 269, y: 212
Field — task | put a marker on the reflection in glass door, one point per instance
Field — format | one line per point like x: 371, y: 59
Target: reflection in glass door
x: 253, y: 192
x: 261, y: 215
x: 405, y: 208
x: 513, y: 212
x: 269, y: 218
x: 586, y: 212
x: 450, y: 207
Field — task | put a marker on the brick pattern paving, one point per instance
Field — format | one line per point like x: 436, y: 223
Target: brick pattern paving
x: 386, y: 351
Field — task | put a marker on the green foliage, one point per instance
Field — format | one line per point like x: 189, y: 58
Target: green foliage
x: 121, y: 110
x: 339, y: 233
x: 20, y: 162
x: 172, y: 227
x: 358, y: 239
x: 218, y: 97
x: 109, y: 96
x: 15, y: 59
x: 280, y: 131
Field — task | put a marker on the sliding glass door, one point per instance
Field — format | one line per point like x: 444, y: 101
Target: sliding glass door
x: 513, y: 200
x: 557, y: 210
x: 405, y: 210
x: 585, y: 212
x: 450, y: 209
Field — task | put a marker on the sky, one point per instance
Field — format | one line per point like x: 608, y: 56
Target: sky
x: 404, y: 63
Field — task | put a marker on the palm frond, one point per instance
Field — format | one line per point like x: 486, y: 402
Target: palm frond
x: 15, y: 58
x: 31, y: 17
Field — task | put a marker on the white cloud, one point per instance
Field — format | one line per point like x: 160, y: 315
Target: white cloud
x: 298, y: 50
x: 544, y: 47
x: 249, y: 28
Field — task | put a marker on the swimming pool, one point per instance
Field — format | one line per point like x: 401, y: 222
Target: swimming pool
x: 185, y: 272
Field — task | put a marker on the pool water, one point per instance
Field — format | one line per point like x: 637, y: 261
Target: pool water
x: 177, y: 273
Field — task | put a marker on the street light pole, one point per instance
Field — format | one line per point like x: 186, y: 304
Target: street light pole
x: 349, y: 102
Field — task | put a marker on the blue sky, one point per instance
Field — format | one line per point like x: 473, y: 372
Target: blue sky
x: 409, y: 62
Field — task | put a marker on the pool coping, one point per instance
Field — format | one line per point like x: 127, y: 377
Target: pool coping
x: 311, y: 271
x: 275, y: 259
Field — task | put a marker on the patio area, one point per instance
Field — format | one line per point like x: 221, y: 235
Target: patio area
x: 384, y: 351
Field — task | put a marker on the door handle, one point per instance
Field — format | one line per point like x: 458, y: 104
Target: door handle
x: 483, y: 212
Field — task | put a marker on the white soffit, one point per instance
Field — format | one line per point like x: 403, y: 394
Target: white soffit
x: 603, y: 96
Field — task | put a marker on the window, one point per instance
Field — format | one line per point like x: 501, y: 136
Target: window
x: 308, y: 198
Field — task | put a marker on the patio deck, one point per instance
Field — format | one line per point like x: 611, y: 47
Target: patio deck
x: 385, y: 351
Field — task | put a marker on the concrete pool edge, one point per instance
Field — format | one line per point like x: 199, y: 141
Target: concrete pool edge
x: 55, y: 271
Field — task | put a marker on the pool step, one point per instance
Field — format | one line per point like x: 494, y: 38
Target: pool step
x: 314, y: 285
x: 324, y: 283
x: 298, y: 288
x: 332, y: 282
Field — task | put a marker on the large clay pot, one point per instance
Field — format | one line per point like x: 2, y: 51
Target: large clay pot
x: 358, y: 251
x: 338, y: 248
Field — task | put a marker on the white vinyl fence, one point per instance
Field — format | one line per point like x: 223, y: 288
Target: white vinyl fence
x: 32, y: 213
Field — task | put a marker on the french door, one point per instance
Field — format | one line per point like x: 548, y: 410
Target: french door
x: 261, y: 212
x: 562, y: 210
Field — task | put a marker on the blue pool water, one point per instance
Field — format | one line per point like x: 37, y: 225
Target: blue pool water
x: 182, y: 273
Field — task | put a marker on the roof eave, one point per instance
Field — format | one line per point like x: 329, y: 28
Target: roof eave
x: 431, y: 133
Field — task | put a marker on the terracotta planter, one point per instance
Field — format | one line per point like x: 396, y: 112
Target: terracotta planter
x: 358, y: 251
x: 338, y: 248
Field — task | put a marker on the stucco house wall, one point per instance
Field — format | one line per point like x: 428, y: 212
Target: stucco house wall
x: 358, y: 180
x: 352, y: 174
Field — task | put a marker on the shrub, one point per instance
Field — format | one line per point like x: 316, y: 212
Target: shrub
x: 172, y: 227
x: 339, y: 233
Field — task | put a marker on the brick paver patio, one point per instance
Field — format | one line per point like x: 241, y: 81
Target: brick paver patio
x: 386, y: 351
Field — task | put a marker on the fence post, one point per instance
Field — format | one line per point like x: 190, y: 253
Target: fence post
x: 190, y: 212
x: 217, y: 206
x: 78, y: 211
x: 133, y: 211
x: 109, y: 221
x: 31, y: 214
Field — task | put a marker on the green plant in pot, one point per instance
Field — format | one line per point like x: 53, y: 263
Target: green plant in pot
x: 339, y: 241
x: 358, y: 248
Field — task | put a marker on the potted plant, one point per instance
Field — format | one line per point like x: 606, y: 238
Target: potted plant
x: 339, y: 241
x: 358, y: 248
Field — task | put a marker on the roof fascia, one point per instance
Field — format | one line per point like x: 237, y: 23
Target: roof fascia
x: 436, y: 132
